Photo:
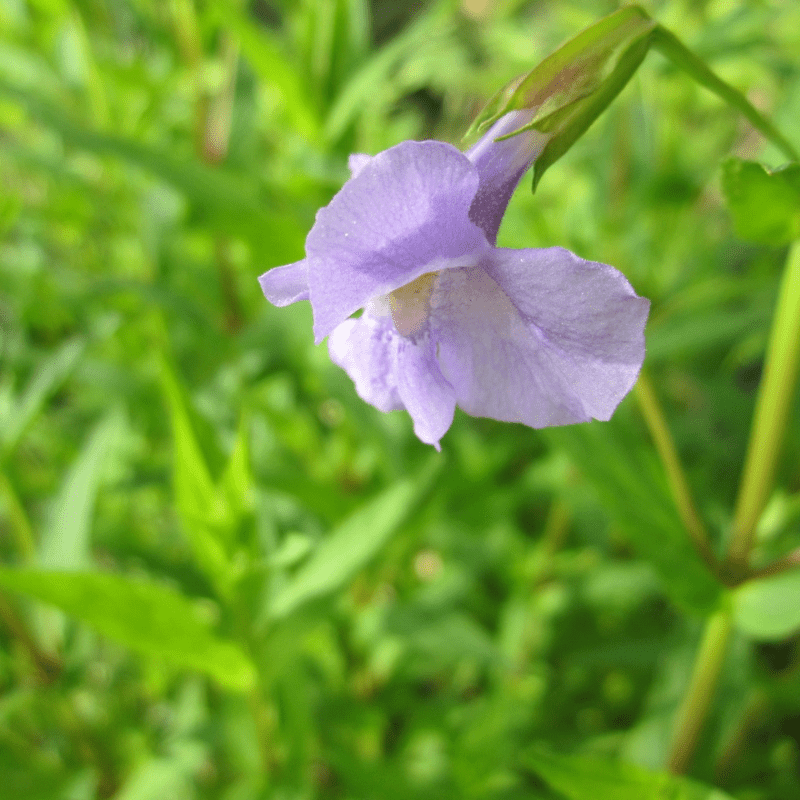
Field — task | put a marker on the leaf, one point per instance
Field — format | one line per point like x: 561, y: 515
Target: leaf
x: 692, y: 332
x: 235, y: 487
x: 579, y: 778
x: 65, y: 543
x: 360, y: 87
x: 232, y: 202
x: 765, y: 205
x: 144, y: 616
x: 156, y: 779
x: 769, y: 609
x: 30, y: 779
x: 632, y: 490
x: 54, y: 370
x: 274, y: 69
x: 354, y: 543
x: 195, y: 492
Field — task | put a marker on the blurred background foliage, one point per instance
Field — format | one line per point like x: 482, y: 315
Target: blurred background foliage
x: 268, y: 589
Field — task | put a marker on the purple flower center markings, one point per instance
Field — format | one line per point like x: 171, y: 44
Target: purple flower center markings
x: 537, y: 336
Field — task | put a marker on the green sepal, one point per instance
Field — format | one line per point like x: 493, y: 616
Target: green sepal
x: 572, y: 72
x: 575, y: 84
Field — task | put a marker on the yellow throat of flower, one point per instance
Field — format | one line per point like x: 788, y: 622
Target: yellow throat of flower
x: 410, y: 304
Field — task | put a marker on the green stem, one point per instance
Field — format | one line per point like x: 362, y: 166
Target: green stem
x: 771, y: 414
x: 694, y: 710
x: 672, y: 48
x: 735, y: 747
x: 668, y: 453
x: 784, y: 564
x: 556, y: 527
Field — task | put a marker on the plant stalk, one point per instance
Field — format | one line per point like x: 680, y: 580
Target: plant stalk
x: 775, y: 393
x: 668, y: 453
x: 696, y: 703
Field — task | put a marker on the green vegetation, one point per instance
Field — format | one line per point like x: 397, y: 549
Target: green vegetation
x: 226, y: 577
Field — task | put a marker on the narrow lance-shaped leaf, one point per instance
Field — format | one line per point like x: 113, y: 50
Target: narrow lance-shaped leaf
x: 682, y: 57
x: 375, y: 71
x: 53, y: 371
x: 141, y: 615
x: 65, y: 542
x: 264, y: 55
x: 579, y: 777
x: 195, y: 493
x: 235, y: 487
x: 354, y: 543
x: 637, y: 499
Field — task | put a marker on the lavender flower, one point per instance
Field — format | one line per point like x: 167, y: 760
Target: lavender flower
x: 537, y: 336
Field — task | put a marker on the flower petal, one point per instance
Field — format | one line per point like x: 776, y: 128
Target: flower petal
x: 356, y: 162
x: 425, y: 392
x: 285, y: 285
x: 500, y: 166
x: 539, y: 336
x: 403, y: 214
x: 366, y: 348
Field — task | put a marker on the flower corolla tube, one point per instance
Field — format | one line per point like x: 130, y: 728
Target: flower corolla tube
x: 537, y: 336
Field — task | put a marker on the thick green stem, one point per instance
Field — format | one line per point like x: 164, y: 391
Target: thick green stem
x: 697, y: 701
x: 772, y: 410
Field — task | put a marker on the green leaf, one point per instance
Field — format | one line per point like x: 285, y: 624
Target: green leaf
x: 195, y: 492
x: 65, y: 543
x: 26, y: 777
x: 144, y: 616
x: 274, y: 69
x: 632, y: 488
x: 769, y: 609
x: 231, y: 202
x: 765, y: 205
x: 350, y: 546
x: 235, y: 488
x: 579, y: 778
x: 379, y: 68
x: 54, y: 370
